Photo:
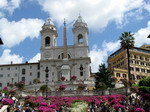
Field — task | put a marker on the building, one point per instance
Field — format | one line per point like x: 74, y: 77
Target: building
x: 56, y: 61
x: 139, y: 63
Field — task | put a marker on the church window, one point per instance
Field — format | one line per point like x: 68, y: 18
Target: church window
x: 59, y: 57
x: 8, y: 84
x: 81, y: 73
x: 62, y: 55
x: 47, y: 41
x: 81, y: 67
x: 81, y: 70
x: 38, y: 66
x: 1, y: 75
x: 23, y: 79
x: 38, y: 75
x: 23, y: 71
x: 46, y: 76
x: 80, y: 39
x: 0, y: 84
x: 69, y: 56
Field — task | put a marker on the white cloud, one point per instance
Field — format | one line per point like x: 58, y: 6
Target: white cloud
x: 99, y: 56
x: 97, y: 13
x: 36, y: 58
x: 14, y: 32
x: 8, y: 6
x: 8, y: 57
x: 141, y: 36
x: 147, y: 7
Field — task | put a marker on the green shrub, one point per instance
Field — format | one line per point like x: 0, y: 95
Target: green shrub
x: 145, y: 82
x: 144, y: 89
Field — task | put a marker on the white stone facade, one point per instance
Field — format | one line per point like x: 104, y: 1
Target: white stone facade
x: 78, y: 61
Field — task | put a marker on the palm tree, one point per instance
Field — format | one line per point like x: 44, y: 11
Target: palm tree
x: 127, y: 42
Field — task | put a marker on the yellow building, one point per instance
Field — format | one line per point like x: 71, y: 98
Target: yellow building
x: 139, y: 63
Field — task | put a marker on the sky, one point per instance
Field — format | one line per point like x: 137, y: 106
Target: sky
x: 21, y: 21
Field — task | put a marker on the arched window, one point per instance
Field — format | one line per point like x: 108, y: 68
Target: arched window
x: 80, y: 39
x: 47, y: 41
x: 69, y: 56
x: 61, y: 56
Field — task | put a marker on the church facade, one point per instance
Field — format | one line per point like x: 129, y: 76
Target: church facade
x: 56, y: 62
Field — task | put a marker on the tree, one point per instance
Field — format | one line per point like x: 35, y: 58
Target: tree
x: 145, y: 82
x: 44, y: 88
x: 36, y: 81
x: 127, y: 42
x: 103, y: 77
x: 20, y: 85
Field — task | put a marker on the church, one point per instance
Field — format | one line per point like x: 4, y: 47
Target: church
x: 56, y: 62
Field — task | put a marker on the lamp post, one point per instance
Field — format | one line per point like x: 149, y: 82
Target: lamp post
x: 12, y: 79
x: 35, y: 91
x: 46, y: 81
x: 46, y: 88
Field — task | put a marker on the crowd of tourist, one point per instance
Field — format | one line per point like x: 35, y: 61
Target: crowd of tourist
x: 108, y: 103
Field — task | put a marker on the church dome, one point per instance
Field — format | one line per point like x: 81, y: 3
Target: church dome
x: 79, y: 22
x: 49, y: 24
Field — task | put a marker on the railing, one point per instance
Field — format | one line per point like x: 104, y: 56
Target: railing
x: 82, y: 92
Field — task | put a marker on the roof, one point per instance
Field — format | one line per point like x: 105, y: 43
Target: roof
x: 48, y: 22
x: 133, y: 48
x: 18, y: 64
x: 80, y: 20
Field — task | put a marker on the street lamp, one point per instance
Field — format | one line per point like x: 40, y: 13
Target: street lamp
x: 35, y: 91
x: 46, y: 81
x: 46, y: 88
x: 12, y: 79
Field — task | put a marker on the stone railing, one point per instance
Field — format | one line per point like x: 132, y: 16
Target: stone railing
x: 82, y: 93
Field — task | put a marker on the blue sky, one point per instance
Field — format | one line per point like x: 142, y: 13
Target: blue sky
x: 21, y: 21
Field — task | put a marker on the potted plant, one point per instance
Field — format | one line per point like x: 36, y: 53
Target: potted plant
x: 73, y: 78
x: 62, y: 78
x: 113, y: 79
x: 62, y: 87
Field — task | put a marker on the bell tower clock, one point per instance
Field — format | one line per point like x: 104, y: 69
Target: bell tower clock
x: 48, y: 40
